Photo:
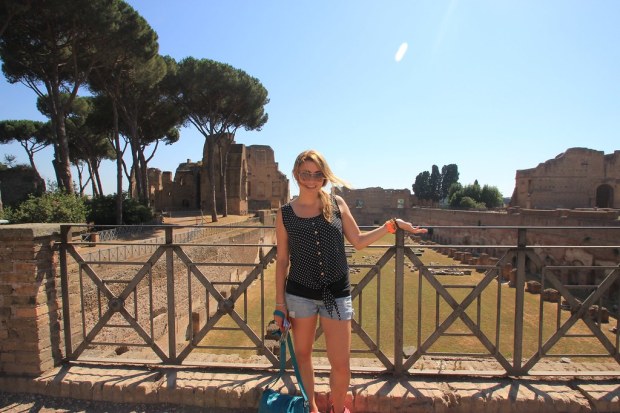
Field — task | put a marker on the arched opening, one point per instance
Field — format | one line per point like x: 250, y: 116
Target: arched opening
x: 604, y: 196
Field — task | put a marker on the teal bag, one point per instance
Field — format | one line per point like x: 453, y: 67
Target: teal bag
x: 274, y: 402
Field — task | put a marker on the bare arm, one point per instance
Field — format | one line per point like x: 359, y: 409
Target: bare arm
x: 361, y: 240
x: 282, y: 264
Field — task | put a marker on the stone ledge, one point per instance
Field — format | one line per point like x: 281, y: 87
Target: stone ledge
x: 29, y: 231
x: 211, y: 388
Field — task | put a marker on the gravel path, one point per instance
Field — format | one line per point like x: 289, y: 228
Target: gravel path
x: 34, y: 403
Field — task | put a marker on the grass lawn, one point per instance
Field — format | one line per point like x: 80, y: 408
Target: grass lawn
x: 434, y: 310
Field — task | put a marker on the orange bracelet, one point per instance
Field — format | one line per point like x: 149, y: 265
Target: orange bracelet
x: 391, y: 226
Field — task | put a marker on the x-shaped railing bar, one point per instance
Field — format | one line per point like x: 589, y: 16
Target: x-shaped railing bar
x: 458, y: 311
x: 225, y: 306
x: 582, y: 313
x: 116, y: 304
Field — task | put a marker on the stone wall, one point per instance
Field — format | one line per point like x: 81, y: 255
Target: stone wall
x: 577, y: 178
x: 267, y: 186
x: 253, y: 182
x: 30, y: 328
x: 372, y: 206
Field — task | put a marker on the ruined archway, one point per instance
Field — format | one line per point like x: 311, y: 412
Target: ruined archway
x: 604, y: 196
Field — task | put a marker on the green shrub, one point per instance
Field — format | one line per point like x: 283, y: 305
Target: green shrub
x: 102, y: 211
x: 55, y: 206
x: 135, y: 212
x: 469, y: 203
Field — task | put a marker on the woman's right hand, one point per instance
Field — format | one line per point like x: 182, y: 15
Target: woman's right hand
x: 279, y: 319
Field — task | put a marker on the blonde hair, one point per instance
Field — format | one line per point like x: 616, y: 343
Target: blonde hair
x: 319, y: 160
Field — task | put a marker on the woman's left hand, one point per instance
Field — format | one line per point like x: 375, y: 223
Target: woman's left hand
x: 408, y: 226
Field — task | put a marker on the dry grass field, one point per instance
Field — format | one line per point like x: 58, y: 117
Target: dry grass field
x: 434, y: 310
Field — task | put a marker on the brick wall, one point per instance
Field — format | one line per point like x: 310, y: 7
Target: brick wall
x: 29, y: 299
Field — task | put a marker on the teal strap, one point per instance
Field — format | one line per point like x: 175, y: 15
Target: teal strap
x: 283, y: 361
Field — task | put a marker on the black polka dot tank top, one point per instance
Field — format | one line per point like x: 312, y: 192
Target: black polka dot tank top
x: 318, y: 263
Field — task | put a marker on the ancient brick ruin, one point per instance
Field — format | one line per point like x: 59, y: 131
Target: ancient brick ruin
x: 253, y: 183
x: 577, y: 178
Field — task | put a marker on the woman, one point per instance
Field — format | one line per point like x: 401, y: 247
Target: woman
x: 312, y: 274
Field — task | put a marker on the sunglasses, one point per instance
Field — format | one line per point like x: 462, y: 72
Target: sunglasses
x: 307, y: 176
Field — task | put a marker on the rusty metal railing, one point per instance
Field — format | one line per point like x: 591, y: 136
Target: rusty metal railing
x: 512, y: 306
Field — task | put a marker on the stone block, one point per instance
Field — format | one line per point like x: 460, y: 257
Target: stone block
x: 533, y: 287
x: 551, y: 295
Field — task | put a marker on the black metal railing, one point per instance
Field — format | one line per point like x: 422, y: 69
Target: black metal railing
x: 512, y: 306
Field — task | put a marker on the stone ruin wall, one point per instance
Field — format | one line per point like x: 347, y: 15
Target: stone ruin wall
x: 267, y: 186
x: 577, y: 178
x: 253, y: 183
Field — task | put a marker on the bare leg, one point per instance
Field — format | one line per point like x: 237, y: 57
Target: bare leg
x: 338, y: 343
x: 303, y: 338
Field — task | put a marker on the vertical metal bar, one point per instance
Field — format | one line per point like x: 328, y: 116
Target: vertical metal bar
x: 135, y: 302
x: 478, y: 309
x: 498, y: 313
x: 419, y: 341
x: 81, y: 278
x: 151, y: 301
x: 98, y: 302
x: 519, y: 300
x: 398, y: 302
x: 541, y: 310
x: 65, y: 235
x: 558, y: 315
x: 360, y: 308
x: 172, y: 339
x: 618, y: 323
x: 190, y: 316
x: 436, y: 310
x: 245, y: 305
x: 378, y: 307
x: 262, y: 294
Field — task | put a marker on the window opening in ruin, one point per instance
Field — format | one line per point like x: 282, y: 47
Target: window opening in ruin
x: 604, y: 196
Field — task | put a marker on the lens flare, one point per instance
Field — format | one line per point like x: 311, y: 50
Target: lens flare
x: 400, y: 53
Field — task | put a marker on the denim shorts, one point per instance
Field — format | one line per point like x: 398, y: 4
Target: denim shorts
x: 300, y: 307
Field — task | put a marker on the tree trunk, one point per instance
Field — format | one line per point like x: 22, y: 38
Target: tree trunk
x: 210, y: 146
x: 224, y: 149
x: 58, y: 119
x: 144, y: 177
x: 34, y: 168
x: 80, y: 184
x: 119, y: 166
x: 97, y: 176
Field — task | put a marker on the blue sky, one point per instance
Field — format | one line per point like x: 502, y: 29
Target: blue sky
x: 492, y: 86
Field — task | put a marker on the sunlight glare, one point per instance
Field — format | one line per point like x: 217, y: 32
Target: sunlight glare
x: 400, y: 53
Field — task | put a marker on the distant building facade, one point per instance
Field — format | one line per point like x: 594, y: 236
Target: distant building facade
x: 373, y: 206
x: 267, y: 186
x: 577, y: 178
x: 253, y: 182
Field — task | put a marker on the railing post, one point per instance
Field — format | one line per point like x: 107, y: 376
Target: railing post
x: 399, y: 287
x: 519, y: 301
x: 172, y: 339
x: 65, y: 238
